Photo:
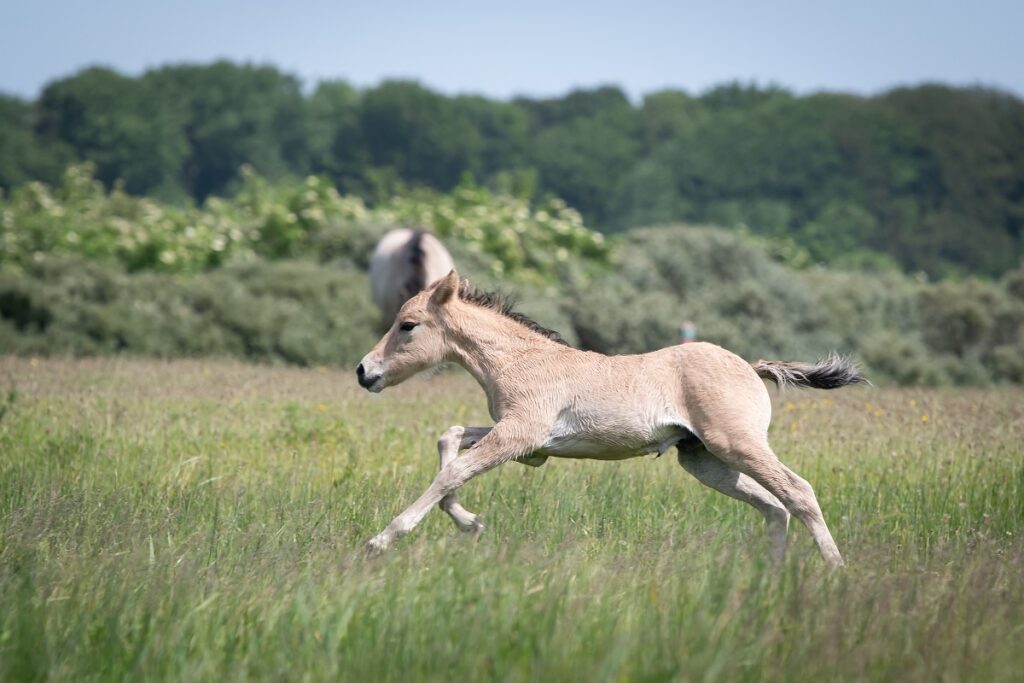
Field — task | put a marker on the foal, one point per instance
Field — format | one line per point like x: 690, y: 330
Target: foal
x: 550, y: 400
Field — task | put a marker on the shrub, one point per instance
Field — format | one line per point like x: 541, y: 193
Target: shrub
x: 297, y: 219
x: 903, y: 330
x: 301, y: 296
x: 295, y: 312
x: 736, y: 295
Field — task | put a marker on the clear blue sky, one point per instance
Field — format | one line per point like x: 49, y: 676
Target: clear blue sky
x: 530, y: 47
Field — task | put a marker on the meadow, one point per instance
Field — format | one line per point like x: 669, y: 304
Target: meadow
x: 204, y: 520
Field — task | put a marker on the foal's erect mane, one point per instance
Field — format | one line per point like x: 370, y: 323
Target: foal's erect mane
x: 500, y: 303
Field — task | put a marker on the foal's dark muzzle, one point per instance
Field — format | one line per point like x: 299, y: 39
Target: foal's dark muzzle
x: 366, y: 380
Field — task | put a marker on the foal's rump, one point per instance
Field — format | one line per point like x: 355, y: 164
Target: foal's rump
x: 722, y: 396
x: 725, y: 399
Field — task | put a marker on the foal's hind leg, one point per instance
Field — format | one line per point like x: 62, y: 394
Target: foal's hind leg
x: 754, y: 457
x: 715, y: 474
x: 448, y: 447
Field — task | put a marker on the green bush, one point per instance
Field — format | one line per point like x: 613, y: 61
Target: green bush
x: 902, y: 330
x: 277, y: 274
x: 737, y: 296
x: 306, y: 219
x: 294, y: 312
x: 900, y: 357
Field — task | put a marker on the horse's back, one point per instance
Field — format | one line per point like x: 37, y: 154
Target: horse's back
x: 437, y: 262
x: 403, y: 263
x: 387, y: 269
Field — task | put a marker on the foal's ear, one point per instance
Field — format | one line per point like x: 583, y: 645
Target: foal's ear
x: 446, y: 289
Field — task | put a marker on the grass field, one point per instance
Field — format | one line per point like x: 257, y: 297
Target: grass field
x: 196, y: 521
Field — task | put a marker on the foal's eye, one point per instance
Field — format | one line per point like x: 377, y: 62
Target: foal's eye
x: 407, y: 326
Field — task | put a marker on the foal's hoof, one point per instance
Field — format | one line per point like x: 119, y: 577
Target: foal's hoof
x: 375, y: 547
x: 474, y: 526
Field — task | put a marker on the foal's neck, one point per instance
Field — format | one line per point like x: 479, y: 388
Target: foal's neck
x: 486, y: 344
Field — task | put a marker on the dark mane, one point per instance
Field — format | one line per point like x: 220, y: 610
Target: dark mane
x: 503, y: 305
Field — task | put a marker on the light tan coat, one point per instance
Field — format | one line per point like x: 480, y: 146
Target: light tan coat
x: 549, y: 400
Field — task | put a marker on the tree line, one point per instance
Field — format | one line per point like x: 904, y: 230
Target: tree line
x: 929, y: 178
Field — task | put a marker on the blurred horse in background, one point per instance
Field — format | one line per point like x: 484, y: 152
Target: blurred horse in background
x: 404, y: 263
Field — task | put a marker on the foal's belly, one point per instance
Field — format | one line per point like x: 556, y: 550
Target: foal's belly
x: 576, y: 447
x: 565, y: 442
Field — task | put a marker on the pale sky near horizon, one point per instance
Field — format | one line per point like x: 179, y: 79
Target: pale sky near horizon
x: 531, y: 47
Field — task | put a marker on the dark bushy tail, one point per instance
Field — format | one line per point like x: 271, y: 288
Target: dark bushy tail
x: 829, y: 373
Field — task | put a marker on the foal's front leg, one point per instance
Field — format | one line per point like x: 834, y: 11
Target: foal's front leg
x: 499, y: 445
x: 448, y: 447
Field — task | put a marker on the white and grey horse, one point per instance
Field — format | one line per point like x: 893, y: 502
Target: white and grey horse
x: 404, y: 263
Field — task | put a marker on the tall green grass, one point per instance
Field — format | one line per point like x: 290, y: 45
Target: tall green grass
x: 205, y: 521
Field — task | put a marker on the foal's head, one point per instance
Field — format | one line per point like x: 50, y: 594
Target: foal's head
x: 416, y: 340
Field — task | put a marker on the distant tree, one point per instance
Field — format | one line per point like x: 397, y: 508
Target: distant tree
x: 336, y: 143
x: 584, y: 143
x: 233, y: 115
x: 581, y: 103
x: 972, y: 195
x: 646, y: 195
x: 739, y: 96
x: 119, y: 124
x: 419, y: 134
x: 929, y: 178
x: 503, y: 130
x: 24, y: 156
x: 667, y: 115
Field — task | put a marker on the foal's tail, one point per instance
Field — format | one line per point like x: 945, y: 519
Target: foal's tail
x: 831, y: 372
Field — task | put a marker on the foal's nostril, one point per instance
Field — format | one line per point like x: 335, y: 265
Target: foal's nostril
x: 360, y: 371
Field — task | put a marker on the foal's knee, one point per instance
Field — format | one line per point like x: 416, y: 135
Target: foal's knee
x: 452, y: 476
x: 451, y: 438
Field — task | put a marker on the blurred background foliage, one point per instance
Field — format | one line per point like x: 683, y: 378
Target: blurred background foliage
x: 306, y: 218
x: 223, y: 209
x: 929, y: 178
